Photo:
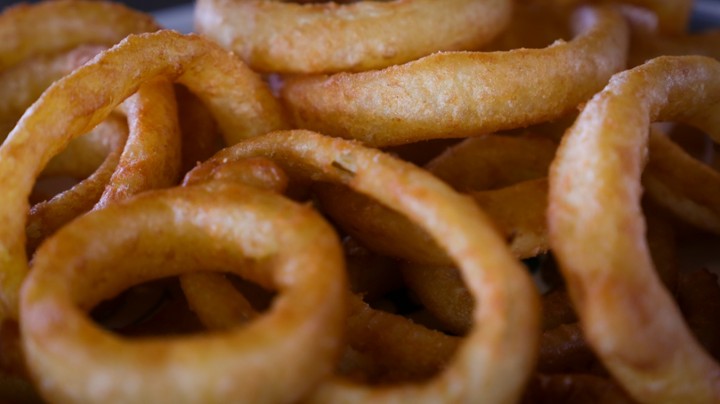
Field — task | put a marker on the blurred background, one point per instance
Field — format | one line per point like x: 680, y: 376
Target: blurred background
x: 176, y: 13
x: 145, y: 5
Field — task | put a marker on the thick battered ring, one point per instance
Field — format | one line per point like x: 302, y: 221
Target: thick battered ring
x: 462, y: 94
x: 597, y: 230
x: 279, y: 36
x: 182, y: 230
x: 496, y: 357
x: 238, y: 98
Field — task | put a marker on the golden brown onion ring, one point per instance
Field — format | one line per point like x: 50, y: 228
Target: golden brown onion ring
x: 279, y: 36
x: 396, y: 347
x: 399, y: 348
x: 598, y: 234
x: 493, y: 161
x: 149, y: 159
x: 65, y: 25
x: 443, y: 293
x: 238, y: 98
x: 494, y: 360
x: 84, y: 154
x: 23, y: 83
x: 517, y: 212
x: 210, y: 295
x: 216, y: 302
x: 170, y: 232
x: 151, y: 156
x: 681, y: 184
x: 461, y: 94
x: 48, y: 216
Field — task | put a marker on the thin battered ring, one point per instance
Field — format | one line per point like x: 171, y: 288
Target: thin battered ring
x: 21, y: 36
x: 238, y: 98
x: 597, y: 229
x: 496, y: 357
x: 462, y: 94
x: 170, y: 232
x: 279, y: 36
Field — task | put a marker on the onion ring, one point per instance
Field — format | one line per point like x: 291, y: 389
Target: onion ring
x: 66, y: 24
x: 597, y: 231
x: 149, y: 159
x: 278, y: 36
x: 681, y: 184
x: 23, y: 83
x: 48, y: 216
x: 210, y: 295
x: 238, y: 98
x: 151, y: 156
x: 493, y: 161
x: 74, y: 360
x: 85, y: 154
x: 462, y: 94
x: 507, y: 317
x: 517, y: 212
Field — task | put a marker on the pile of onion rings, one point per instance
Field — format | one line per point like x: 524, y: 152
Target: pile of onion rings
x: 317, y: 202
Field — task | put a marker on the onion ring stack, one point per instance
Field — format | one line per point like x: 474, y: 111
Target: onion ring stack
x: 242, y: 97
x: 492, y: 275
x: 176, y: 207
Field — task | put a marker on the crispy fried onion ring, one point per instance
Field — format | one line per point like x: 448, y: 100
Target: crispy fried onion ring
x: 496, y: 357
x: 598, y: 233
x: 151, y: 156
x: 65, y: 25
x: 517, y: 211
x: 150, y: 159
x: 47, y: 216
x: 493, y: 161
x: 238, y: 98
x: 461, y: 94
x: 22, y: 83
x: 680, y: 183
x: 279, y: 36
x: 170, y: 232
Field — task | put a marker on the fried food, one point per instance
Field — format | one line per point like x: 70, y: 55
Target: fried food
x: 285, y: 37
x: 463, y: 94
x: 67, y: 24
x: 240, y: 101
x: 459, y: 227
x: 597, y: 230
x: 470, y: 222
x: 74, y: 360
